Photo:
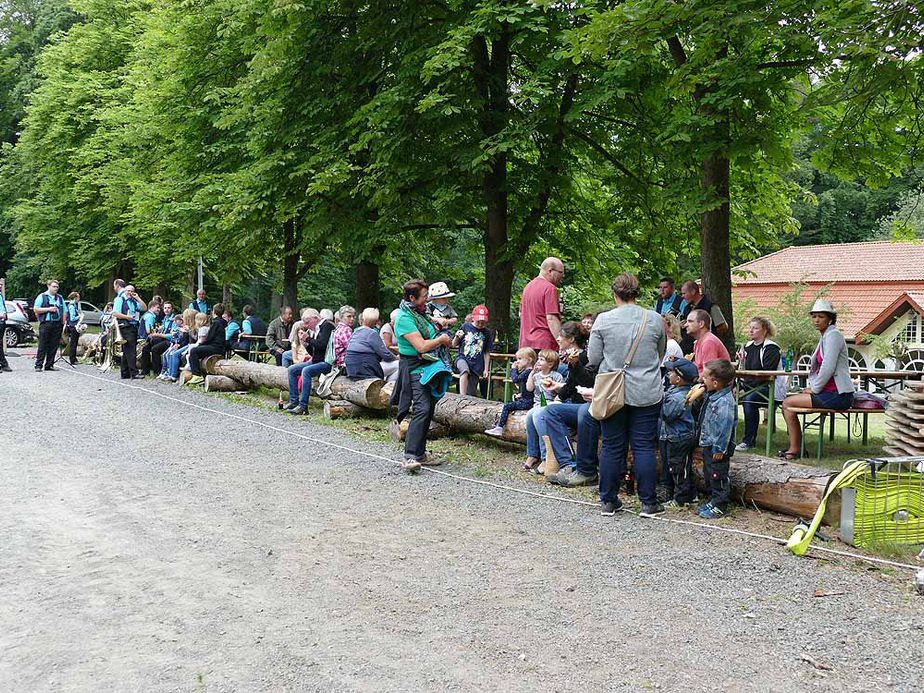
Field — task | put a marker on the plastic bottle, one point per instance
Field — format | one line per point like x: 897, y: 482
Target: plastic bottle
x: 789, y: 359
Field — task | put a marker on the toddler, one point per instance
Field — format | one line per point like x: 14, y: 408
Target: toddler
x: 520, y: 374
x: 544, y: 374
x: 677, y: 436
x: 718, y: 419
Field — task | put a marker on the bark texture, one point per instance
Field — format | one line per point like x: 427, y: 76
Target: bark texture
x: 222, y: 383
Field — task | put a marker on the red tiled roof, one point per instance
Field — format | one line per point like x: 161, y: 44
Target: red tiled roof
x: 873, y: 261
x: 858, y: 303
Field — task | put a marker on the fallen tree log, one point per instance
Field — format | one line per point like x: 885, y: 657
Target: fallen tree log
x: 366, y: 393
x: 398, y: 431
x: 475, y: 415
x: 342, y: 409
x: 222, y: 383
x: 787, y: 487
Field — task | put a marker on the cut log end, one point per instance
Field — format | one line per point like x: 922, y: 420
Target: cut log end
x: 398, y: 431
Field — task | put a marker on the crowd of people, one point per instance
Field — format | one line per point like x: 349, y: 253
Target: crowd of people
x: 675, y: 375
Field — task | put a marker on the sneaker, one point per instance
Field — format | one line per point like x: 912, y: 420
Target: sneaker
x: 431, y: 358
x: 297, y: 410
x: 169, y: 379
x: 672, y: 505
x: 6, y: 368
x: 610, y: 508
x: 195, y: 380
x: 410, y: 465
x: 710, y: 512
x: 138, y: 376
x: 560, y: 477
x: 288, y: 406
x: 38, y: 369
x: 651, y: 509
x: 496, y: 431
x: 430, y: 461
x: 575, y: 479
x: 51, y: 368
x: 744, y: 446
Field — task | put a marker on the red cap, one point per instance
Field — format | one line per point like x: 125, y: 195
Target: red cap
x: 480, y: 313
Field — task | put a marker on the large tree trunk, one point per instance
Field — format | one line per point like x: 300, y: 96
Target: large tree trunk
x: 226, y: 296
x: 341, y: 409
x: 222, y: 383
x: 475, y: 415
x: 714, y: 233
x: 289, y: 265
x: 367, y: 285
x: 398, y: 431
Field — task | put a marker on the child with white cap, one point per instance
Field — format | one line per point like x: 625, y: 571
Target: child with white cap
x: 440, y: 312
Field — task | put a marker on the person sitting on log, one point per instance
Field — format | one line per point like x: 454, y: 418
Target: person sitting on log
x: 366, y: 354
x: 718, y: 419
x: 319, y: 336
x: 213, y: 345
x: 342, y: 333
x: 277, y: 334
x: 545, y: 374
x: 387, y: 333
x: 195, y: 329
x: 232, y: 327
x: 520, y: 374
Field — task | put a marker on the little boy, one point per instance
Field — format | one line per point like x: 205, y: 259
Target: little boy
x: 544, y: 374
x: 677, y: 437
x: 718, y: 419
x: 438, y: 309
x: 474, y: 359
x: 520, y: 374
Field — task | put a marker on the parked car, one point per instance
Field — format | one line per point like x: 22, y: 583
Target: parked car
x: 18, y: 328
x: 91, y: 314
x: 26, y: 306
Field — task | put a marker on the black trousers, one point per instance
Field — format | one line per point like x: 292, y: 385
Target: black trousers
x: 196, y: 354
x: 48, y: 342
x: 152, y: 354
x: 677, y: 462
x: 73, y: 336
x: 2, y: 342
x: 422, y: 406
x: 715, y: 475
x: 129, y: 365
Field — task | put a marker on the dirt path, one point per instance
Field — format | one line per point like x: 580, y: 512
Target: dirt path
x: 149, y: 545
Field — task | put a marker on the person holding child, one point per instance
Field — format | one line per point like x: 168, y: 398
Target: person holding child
x: 718, y: 419
x: 677, y: 435
x: 636, y: 423
x: 417, y: 336
x: 475, y: 343
x: 545, y: 375
x: 520, y: 373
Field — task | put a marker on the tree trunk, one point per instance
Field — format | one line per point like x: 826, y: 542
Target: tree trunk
x: 786, y: 487
x: 342, y: 409
x: 398, y: 431
x: 714, y: 240
x: 226, y: 296
x: 290, y: 266
x: 222, y: 383
x: 475, y: 415
x: 367, y: 285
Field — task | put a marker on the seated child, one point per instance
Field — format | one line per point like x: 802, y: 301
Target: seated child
x: 520, y: 374
x: 544, y: 374
x: 718, y: 419
x: 677, y: 436
x: 475, y: 343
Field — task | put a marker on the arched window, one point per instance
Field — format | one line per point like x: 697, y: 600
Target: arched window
x: 856, y: 359
x: 914, y: 360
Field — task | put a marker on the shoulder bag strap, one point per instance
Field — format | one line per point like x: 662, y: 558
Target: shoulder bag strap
x: 638, y: 339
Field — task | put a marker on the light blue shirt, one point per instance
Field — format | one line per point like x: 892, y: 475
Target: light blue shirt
x: 149, y: 319
x: 232, y: 330
x: 126, y: 306
x: 200, y: 306
x: 46, y: 300
x: 168, y: 323
x: 73, y: 313
x: 247, y: 329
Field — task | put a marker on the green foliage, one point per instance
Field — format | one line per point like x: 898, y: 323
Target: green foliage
x: 792, y: 321
x: 907, y: 221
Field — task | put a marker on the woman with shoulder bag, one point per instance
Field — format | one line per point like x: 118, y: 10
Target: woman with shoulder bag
x: 629, y: 339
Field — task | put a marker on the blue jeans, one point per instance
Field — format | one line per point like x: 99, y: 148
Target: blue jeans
x: 567, y: 415
x: 287, y: 358
x: 535, y: 429
x: 751, y: 404
x: 173, y: 361
x: 636, y: 427
x: 307, y: 371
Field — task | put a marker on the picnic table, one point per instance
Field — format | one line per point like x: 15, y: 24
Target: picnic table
x: 876, y: 377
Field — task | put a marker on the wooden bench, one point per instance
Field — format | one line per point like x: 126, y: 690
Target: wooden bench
x: 817, y: 421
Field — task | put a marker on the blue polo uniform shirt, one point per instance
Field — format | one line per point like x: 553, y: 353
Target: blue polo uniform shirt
x: 73, y: 313
x: 46, y: 300
x: 200, y: 306
x: 168, y: 322
x: 232, y: 331
x: 126, y: 306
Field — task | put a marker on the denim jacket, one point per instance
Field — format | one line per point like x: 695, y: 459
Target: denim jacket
x: 677, y: 423
x: 718, y: 419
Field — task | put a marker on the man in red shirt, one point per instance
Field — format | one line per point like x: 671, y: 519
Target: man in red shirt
x: 540, y: 307
x: 707, y: 345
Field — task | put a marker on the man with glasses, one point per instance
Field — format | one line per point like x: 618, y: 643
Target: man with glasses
x: 540, y: 307
x: 49, y: 309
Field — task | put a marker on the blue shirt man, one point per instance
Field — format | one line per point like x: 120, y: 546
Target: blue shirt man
x: 200, y: 304
x: 126, y: 305
x: 669, y: 302
x: 46, y: 303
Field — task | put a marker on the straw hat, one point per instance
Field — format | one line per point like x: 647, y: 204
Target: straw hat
x: 823, y: 305
x: 440, y: 290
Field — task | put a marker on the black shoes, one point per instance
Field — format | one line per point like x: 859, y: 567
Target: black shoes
x: 651, y: 509
x: 6, y: 368
x: 610, y: 508
x: 289, y: 406
x: 51, y: 368
x: 137, y: 376
x: 298, y: 411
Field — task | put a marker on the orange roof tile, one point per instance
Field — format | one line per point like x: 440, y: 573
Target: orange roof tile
x: 873, y: 261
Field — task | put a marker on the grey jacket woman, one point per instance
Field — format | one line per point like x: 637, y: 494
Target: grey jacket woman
x: 834, y: 363
x: 610, y: 340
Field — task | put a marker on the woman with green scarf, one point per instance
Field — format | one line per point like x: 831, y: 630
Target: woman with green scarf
x: 417, y: 337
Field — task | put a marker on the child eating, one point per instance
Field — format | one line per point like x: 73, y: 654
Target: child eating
x: 520, y: 374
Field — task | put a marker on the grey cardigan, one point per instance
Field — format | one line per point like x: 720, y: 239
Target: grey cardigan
x: 834, y: 362
x: 610, y: 340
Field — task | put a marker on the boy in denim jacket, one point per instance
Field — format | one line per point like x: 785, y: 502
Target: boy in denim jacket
x: 718, y: 420
x: 677, y: 437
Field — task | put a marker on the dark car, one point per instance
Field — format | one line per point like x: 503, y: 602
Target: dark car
x: 18, y: 328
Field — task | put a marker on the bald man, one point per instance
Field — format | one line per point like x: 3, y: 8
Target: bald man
x: 540, y: 307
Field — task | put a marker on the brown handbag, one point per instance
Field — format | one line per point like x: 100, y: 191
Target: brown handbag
x: 610, y: 388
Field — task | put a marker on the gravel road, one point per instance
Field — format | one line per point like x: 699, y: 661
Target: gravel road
x: 148, y: 545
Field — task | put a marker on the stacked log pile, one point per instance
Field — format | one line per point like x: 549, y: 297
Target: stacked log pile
x: 905, y: 422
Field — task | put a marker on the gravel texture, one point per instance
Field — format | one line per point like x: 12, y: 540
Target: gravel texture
x: 151, y: 545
